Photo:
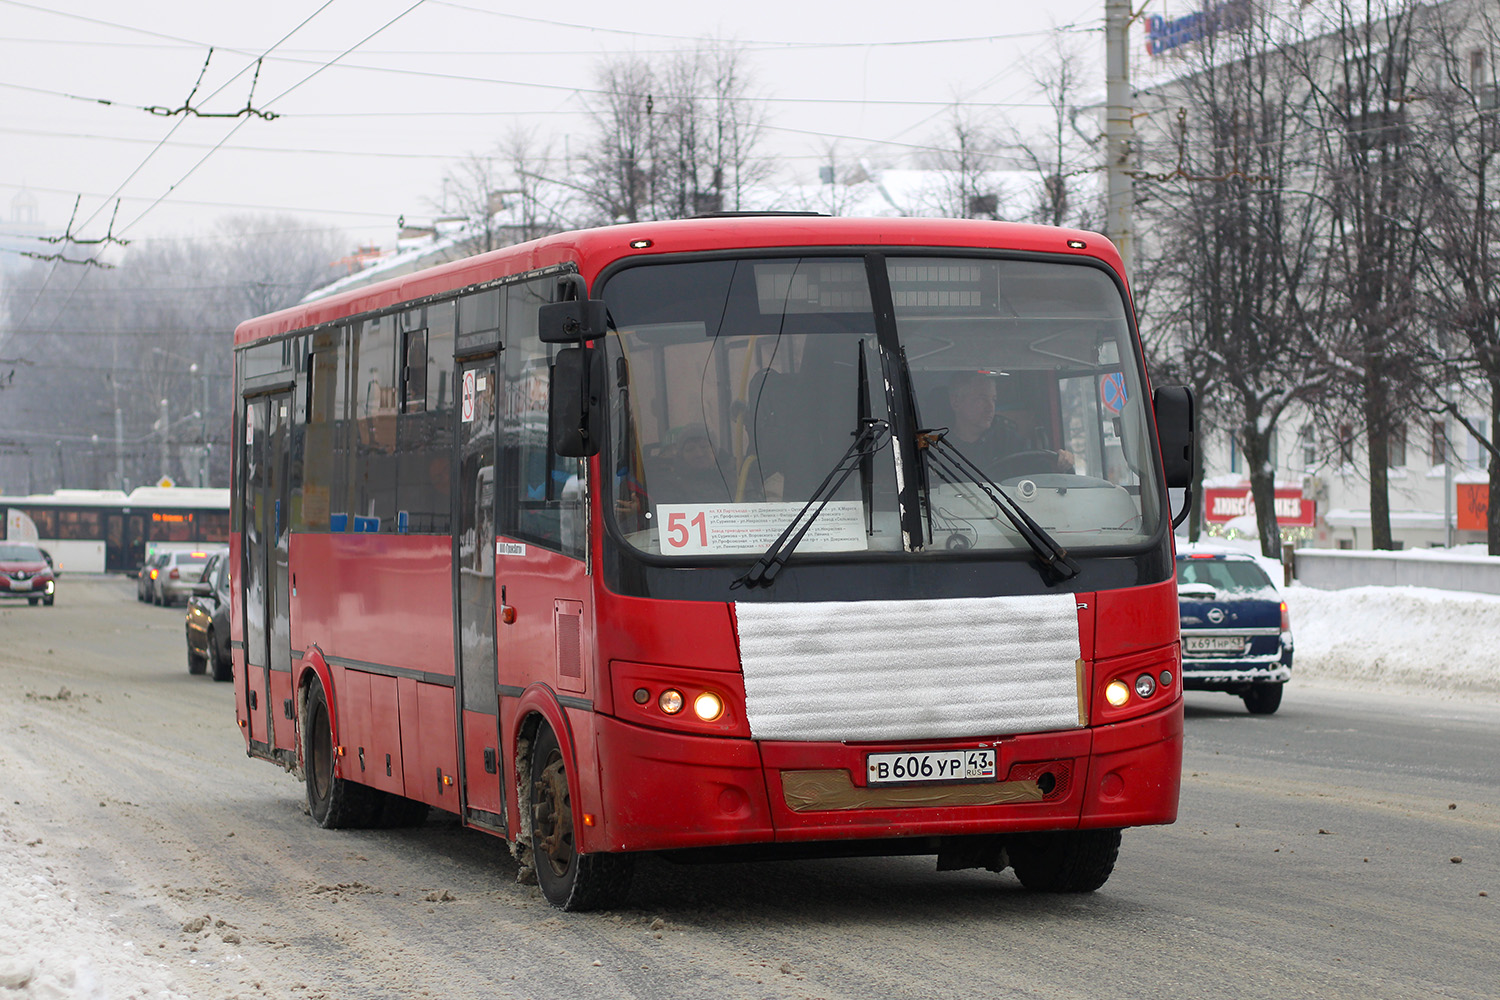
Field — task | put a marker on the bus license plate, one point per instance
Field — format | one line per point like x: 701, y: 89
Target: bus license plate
x: 930, y: 765
x: 1214, y: 643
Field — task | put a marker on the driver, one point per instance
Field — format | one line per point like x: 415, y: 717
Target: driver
x: 988, y: 438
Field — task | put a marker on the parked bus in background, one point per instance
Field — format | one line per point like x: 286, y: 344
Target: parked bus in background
x: 728, y: 537
x: 108, y: 531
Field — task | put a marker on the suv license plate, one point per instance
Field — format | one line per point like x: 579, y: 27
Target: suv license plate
x: 930, y: 765
x: 1214, y: 643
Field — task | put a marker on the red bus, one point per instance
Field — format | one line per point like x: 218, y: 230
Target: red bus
x: 728, y: 537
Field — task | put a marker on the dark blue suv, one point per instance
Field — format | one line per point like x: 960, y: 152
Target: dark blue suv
x: 1236, y: 635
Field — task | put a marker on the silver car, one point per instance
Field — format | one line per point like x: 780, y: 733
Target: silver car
x: 176, y: 575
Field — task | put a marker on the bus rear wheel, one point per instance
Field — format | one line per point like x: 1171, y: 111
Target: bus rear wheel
x: 1065, y: 861
x: 570, y: 880
x: 333, y: 802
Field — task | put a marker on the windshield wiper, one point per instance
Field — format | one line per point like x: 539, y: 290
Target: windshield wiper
x: 953, y: 466
x: 867, y: 440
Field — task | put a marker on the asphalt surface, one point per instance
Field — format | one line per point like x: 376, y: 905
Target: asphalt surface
x: 1348, y: 846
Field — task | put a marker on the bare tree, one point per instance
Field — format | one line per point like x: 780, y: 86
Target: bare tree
x: 126, y: 373
x: 1362, y: 75
x: 1060, y: 154
x: 472, y: 191
x: 621, y: 162
x: 966, y: 156
x: 1459, y: 161
x: 536, y: 206
x: 1238, y: 255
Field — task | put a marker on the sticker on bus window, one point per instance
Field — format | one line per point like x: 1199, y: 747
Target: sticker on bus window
x: 510, y: 548
x: 728, y: 528
x: 468, y: 400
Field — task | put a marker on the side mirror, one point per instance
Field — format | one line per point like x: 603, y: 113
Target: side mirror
x: 576, y: 396
x: 573, y: 321
x: 1175, y: 430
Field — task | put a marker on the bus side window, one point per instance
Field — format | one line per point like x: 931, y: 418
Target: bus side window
x: 541, y: 493
x: 374, y: 486
x: 319, y: 479
x: 424, y: 432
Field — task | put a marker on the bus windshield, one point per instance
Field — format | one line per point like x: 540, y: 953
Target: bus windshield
x: 738, y: 386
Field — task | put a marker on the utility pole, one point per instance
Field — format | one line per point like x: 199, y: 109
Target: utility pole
x: 119, y: 449
x: 1119, y: 129
x: 166, y: 440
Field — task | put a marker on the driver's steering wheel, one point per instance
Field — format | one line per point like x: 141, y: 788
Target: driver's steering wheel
x: 1022, y: 462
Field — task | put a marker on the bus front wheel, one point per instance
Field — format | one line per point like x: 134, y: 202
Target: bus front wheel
x: 570, y: 880
x: 1065, y: 861
x: 333, y: 802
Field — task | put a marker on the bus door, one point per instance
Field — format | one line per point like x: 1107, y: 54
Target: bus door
x: 267, y: 520
x: 474, y: 585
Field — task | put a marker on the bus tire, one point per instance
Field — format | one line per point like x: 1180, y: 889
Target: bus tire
x: 1263, y: 699
x: 570, y: 880
x: 1065, y: 861
x: 333, y: 802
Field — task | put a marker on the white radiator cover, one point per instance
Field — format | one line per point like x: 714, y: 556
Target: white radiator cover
x: 910, y: 670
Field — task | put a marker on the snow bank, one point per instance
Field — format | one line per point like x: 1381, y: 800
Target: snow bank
x: 51, y: 948
x: 1397, y: 638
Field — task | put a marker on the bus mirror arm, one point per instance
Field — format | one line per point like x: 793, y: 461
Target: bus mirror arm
x: 575, y: 414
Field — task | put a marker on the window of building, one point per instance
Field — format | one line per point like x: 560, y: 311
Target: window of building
x: 1346, y: 444
x: 1396, y: 447
x: 1308, y: 442
x: 1438, y: 446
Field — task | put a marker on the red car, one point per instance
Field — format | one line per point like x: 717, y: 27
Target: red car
x: 26, y: 572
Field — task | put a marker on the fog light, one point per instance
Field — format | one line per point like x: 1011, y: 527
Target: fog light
x: 1117, y: 693
x: 707, y: 706
x: 1166, y: 678
x: 50, y: 586
x: 1145, y: 685
x: 670, y: 701
x: 642, y: 696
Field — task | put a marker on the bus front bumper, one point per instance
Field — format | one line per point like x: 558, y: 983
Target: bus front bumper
x: 668, y: 791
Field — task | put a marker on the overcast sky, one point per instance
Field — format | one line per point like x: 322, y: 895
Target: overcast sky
x: 377, y: 98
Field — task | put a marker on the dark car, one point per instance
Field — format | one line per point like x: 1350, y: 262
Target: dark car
x: 208, y: 621
x: 25, y: 571
x: 145, y: 577
x: 1236, y: 634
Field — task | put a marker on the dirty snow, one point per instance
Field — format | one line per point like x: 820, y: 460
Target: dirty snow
x: 55, y: 945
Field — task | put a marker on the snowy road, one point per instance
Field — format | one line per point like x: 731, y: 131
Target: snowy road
x: 142, y: 855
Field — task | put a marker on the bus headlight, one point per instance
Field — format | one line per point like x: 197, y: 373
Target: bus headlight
x: 1117, y: 694
x: 670, y: 701
x: 1145, y: 685
x: 708, y: 706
